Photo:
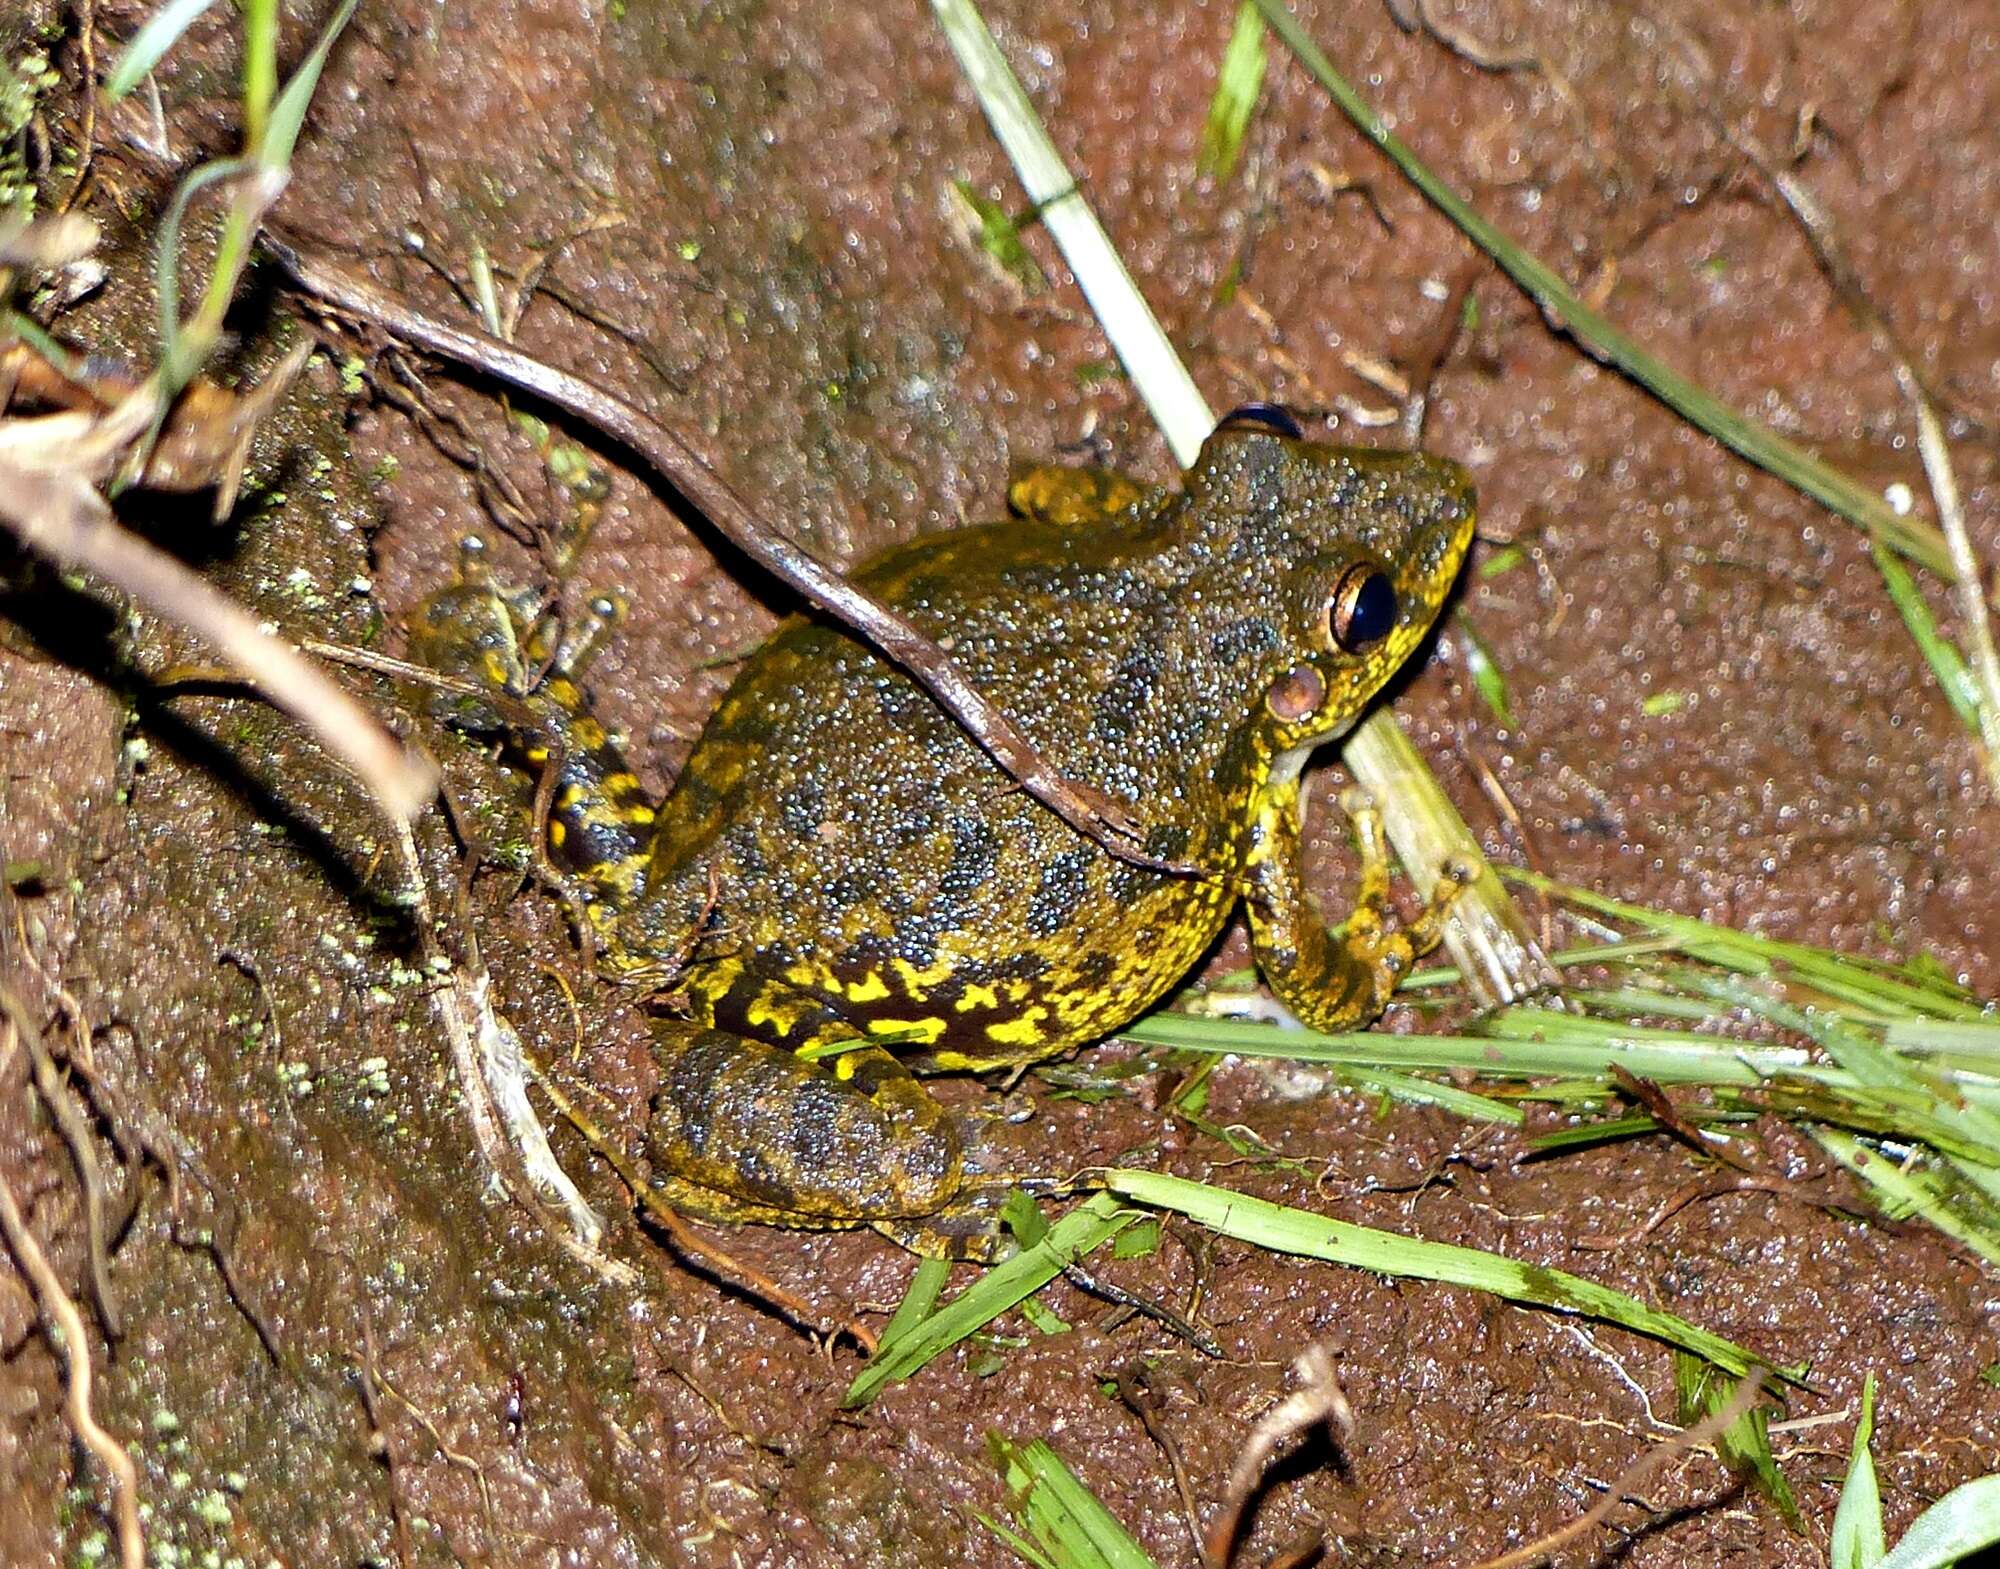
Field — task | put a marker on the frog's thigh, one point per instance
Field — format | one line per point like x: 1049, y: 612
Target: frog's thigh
x: 1331, y: 980
x: 742, y: 1130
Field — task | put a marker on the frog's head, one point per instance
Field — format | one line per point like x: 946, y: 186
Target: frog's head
x: 1346, y: 553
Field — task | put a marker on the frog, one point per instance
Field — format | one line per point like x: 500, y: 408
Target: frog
x: 843, y: 894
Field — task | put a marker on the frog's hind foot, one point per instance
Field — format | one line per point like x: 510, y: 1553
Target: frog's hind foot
x: 516, y: 673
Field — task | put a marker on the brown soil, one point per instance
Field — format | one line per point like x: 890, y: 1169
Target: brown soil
x: 401, y: 1367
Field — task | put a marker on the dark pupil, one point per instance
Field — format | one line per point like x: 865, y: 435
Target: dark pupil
x: 1272, y: 416
x: 1366, y: 611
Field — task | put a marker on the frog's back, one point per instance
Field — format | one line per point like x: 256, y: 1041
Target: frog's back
x: 871, y: 866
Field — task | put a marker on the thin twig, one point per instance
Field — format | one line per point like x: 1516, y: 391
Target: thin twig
x: 1628, y: 1481
x: 1086, y: 809
x: 73, y: 1345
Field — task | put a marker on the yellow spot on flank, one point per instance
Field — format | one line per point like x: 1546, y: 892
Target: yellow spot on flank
x: 778, y: 1010
x: 977, y: 997
x: 873, y: 989
x: 1024, y: 1031
x: 538, y: 755
x: 920, y: 1032
x: 917, y: 983
x: 557, y: 831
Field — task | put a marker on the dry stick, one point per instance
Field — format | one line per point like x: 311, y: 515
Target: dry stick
x: 75, y: 1347
x: 1089, y: 811
x: 60, y: 515
x: 1629, y: 1480
x: 1318, y: 1400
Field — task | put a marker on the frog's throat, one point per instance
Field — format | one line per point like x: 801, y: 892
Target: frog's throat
x: 1290, y: 763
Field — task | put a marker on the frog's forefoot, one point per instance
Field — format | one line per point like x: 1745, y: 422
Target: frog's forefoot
x: 1337, y: 980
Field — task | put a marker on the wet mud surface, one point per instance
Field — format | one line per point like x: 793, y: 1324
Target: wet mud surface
x: 340, y: 1345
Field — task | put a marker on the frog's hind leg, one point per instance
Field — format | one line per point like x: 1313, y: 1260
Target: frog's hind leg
x: 742, y: 1130
x: 599, y: 822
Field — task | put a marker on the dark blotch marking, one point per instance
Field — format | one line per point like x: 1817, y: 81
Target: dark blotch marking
x: 1065, y: 880
x: 1119, y: 708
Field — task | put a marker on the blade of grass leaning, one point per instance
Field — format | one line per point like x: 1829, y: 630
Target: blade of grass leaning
x: 1968, y: 580
x: 926, y: 1286
x: 1963, y: 1522
x: 1488, y: 937
x: 1747, y: 437
x: 1469, y: 1104
x: 1066, y: 1518
x: 1286, y: 1230
x: 1890, y: 987
x: 159, y: 33
x: 1019, y: 1545
x: 1745, y: 1445
x: 1939, y: 652
x: 1237, y: 87
x: 1091, y: 1223
x: 1858, y: 1541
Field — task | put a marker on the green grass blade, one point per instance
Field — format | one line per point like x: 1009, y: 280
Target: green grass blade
x: 926, y: 1286
x: 1092, y: 1222
x: 1488, y: 679
x: 1023, y: 1549
x: 1963, y: 1522
x: 1062, y: 1515
x: 288, y: 115
x: 1745, y: 1445
x: 1939, y: 652
x: 1238, y: 86
x: 1906, y: 1190
x: 1858, y: 1542
x: 1892, y: 989
x: 260, y: 68
x: 161, y: 31
x: 1468, y: 1104
x: 1524, y: 1043
x: 1757, y: 442
x: 1296, y: 1231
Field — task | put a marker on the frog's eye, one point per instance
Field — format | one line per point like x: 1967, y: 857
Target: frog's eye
x: 1361, y: 610
x: 1272, y: 416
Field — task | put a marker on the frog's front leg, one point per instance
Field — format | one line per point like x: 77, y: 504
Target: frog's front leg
x: 742, y: 1130
x: 1332, y: 980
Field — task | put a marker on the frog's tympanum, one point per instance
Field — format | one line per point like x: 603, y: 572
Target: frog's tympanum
x: 839, y: 863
